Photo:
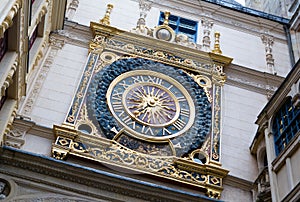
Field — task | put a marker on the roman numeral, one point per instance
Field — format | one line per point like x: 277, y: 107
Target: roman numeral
x: 185, y: 112
x: 181, y: 99
x: 178, y: 145
x: 179, y: 124
x: 117, y: 96
x: 128, y: 121
x: 118, y: 107
x: 138, y: 79
x: 166, y: 132
x: 124, y: 84
x: 147, y: 131
x: 155, y: 80
x: 170, y: 87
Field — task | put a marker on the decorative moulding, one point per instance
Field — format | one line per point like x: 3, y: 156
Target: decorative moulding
x: 69, y: 179
x: 8, y: 20
x: 55, y: 45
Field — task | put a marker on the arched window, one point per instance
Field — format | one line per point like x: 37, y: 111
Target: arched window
x: 286, y: 124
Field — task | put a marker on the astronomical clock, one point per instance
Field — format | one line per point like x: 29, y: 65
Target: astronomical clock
x: 150, y: 106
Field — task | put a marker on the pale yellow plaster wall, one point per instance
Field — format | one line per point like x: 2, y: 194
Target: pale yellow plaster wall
x: 245, y: 47
x: 55, y: 96
x: 295, y: 161
x: 240, y: 108
x: 282, y: 181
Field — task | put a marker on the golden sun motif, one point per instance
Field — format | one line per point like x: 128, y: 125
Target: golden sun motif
x: 151, y: 104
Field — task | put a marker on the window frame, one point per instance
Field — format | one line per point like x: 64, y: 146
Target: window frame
x: 285, y: 125
x: 181, y: 25
x: 32, y: 38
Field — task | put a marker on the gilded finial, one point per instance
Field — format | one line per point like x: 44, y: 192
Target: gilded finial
x: 217, y: 49
x: 166, y: 21
x: 106, y: 20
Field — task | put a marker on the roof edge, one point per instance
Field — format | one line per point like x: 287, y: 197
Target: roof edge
x: 249, y: 11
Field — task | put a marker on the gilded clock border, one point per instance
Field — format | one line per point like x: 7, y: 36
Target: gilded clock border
x: 104, y: 50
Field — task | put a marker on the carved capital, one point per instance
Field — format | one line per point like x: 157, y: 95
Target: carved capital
x: 267, y: 40
x: 213, y: 194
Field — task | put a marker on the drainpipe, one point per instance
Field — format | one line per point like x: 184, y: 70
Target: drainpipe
x: 290, y: 45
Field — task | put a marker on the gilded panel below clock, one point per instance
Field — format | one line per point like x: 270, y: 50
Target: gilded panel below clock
x: 149, y: 107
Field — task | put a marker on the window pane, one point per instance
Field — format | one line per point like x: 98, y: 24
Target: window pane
x: 285, y: 125
x: 181, y: 26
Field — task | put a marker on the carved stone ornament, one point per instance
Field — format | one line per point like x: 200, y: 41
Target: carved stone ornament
x: 164, y: 32
x: 207, y: 27
x: 15, y: 138
x: 146, y: 109
x: 268, y: 41
x: 8, y: 20
x: 72, y: 9
x: 141, y: 27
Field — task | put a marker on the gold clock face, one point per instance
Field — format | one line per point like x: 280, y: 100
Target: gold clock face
x: 150, y: 105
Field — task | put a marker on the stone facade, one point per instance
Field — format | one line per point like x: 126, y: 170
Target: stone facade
x: 261, y: 55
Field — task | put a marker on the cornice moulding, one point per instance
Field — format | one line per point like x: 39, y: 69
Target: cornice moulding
x: 159, y: 45
x: 31, y: 128
x: 233, y: 181
x: 256, y: 81
x: 72, y: 177
x: 77, y: 34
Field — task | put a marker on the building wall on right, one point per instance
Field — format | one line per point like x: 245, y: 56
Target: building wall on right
x: 276, y: 145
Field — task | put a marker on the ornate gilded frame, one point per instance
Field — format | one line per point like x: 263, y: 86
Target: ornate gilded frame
x: 206, y: 68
